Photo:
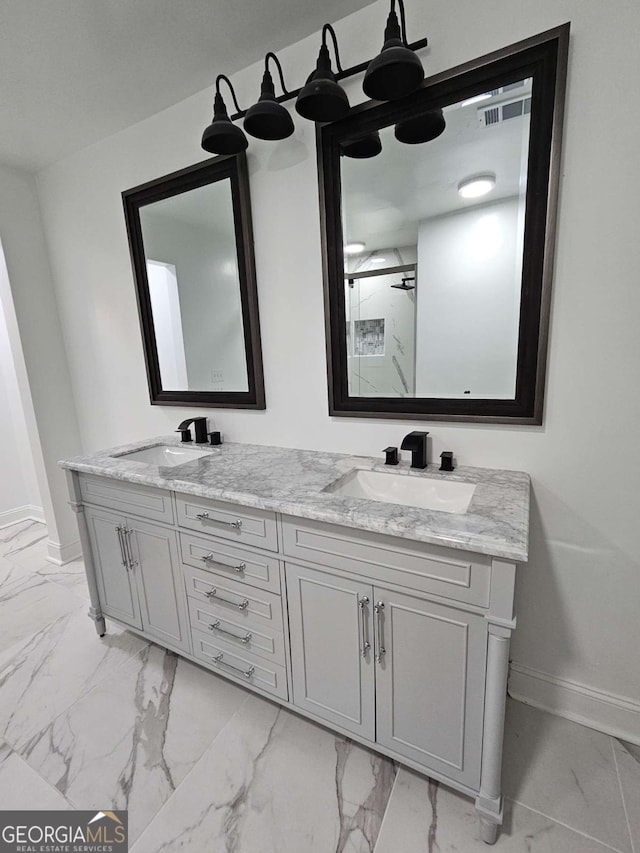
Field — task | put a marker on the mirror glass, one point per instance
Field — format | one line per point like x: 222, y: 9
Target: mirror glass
x: 192, y: 270
x: 438, y: 215
x: 433, y: 246
x: 191, y: 248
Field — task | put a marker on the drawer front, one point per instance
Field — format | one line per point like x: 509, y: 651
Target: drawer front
x: 248, y: 606
x: 240, y: 524
x: 259, y: 570
x: 236, y: 635
x: 143, y: 501
x: 241, y: 666
x: 454, y: 574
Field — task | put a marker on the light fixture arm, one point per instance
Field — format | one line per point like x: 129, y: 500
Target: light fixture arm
x: 275, y: 59
x: 231, y: 89
x: 403, y: 25
x: 327, y: 28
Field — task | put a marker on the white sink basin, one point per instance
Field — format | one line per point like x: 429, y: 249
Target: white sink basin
x: 164, y: 455
x: 421, y: 492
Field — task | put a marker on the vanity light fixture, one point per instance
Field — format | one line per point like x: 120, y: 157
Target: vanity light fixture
x: 355, y: 248
x: 222, y: 136
x: 422, y: 128
x: 363, y: 147
x: 267, y: 119
x: 396, y: 71
x: 477, y: 185
x: 322, y: 98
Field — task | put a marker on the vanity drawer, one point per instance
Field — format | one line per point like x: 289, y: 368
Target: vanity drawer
x: 259, y: 570
x: 454, y: 574
x: 241, y: 524
x: 145, y: 501
x: 241, y: 666
x: 262, y: 609
x: 232, y: 632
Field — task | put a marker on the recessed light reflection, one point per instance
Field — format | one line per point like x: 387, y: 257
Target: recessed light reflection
x: 477, y: 185
x: 354, y: 248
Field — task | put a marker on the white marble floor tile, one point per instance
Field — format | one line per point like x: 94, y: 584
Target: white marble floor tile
x: 425, y: 817
x: 19, y: 537
x: 11, y: 573
x: 42, y: 675
x: 628, y: 762
x: 22, y: 788
x: 565, y: 771
x: 275, y: 783
x: 71, y: 576
x: 131, y: 741
x: 29, y: 605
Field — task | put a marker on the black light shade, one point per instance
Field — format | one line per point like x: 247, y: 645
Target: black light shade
x: 322, y: 99
x: 222, y: 136
x: 422, y: 128
x: 363, y: 147
x: 396, y: 71
x: 267, y: 119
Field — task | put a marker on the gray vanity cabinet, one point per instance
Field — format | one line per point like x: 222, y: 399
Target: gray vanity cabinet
x: 430, y: 683
x: 331, y: 656
x: 138, y: 575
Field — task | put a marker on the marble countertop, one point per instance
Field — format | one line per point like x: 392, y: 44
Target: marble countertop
x: 293, y: 482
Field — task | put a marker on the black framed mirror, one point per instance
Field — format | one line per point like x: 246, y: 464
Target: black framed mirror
x: 191, y: 244
x: 438, y: 222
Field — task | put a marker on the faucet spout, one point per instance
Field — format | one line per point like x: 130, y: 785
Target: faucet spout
x: 200, y: 425
x: 416, y: 442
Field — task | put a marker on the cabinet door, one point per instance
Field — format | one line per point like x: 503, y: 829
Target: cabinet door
x: 330, y: 625
x: 156, y: 567
x: 117, y: 588
x: 430, y: 683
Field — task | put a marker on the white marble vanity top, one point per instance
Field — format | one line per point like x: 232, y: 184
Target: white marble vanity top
x: 292, y: 482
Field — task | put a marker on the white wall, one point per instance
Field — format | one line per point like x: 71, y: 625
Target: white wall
x: 468, y: 302
x: 578, y: 596
x: 28, y: 300
x: 19, y: 495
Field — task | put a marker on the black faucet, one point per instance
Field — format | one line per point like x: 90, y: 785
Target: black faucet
x: 416, y: 442
x: 200, y: 425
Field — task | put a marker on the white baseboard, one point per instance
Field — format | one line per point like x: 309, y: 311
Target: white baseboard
x: 21, y: 513
x: 606, y: 712
x: 61, y: 554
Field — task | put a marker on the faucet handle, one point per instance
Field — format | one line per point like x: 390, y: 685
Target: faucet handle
x: 186, y: 435
x: 447, y: 461
x: 391, y: 457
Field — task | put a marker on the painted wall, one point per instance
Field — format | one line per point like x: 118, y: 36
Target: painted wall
x: 578, y: 596
x: 468, y: 302
x: 29, y: 303
x: 19, y: 495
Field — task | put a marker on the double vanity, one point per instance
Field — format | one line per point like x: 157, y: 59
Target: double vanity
x: 376, y: 601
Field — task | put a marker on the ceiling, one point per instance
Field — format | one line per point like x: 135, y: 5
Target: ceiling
x: 75, y: 71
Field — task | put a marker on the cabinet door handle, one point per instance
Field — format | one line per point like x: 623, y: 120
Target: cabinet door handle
x: 204, y: 516
x: 126, y: 533
x: 215, y: 626
x: 120, y: 532
x: 211, y: 558
x: 213, y: 593
x: 378, y: 609
x: 363, y: 603
x: 219, y: 659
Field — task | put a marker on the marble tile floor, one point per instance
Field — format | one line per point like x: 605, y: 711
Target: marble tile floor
x: 203, y: 765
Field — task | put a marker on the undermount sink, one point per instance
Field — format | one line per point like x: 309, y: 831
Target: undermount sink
x: 421, y: 492
x: 164, y: 455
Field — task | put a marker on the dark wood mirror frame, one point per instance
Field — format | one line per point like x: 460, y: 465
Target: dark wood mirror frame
x: 544, y: 58
x: 207, y: 172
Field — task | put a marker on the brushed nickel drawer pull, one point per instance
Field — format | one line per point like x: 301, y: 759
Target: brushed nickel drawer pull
x: 246, y: 673
x: 126, y: 533
x: 215, y: 626
x: 378, y: 610
x: 362, y: 604
x: 204, y: 516
x: 211, y: 558
x: 119, y: 531
x: 213, y: 593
